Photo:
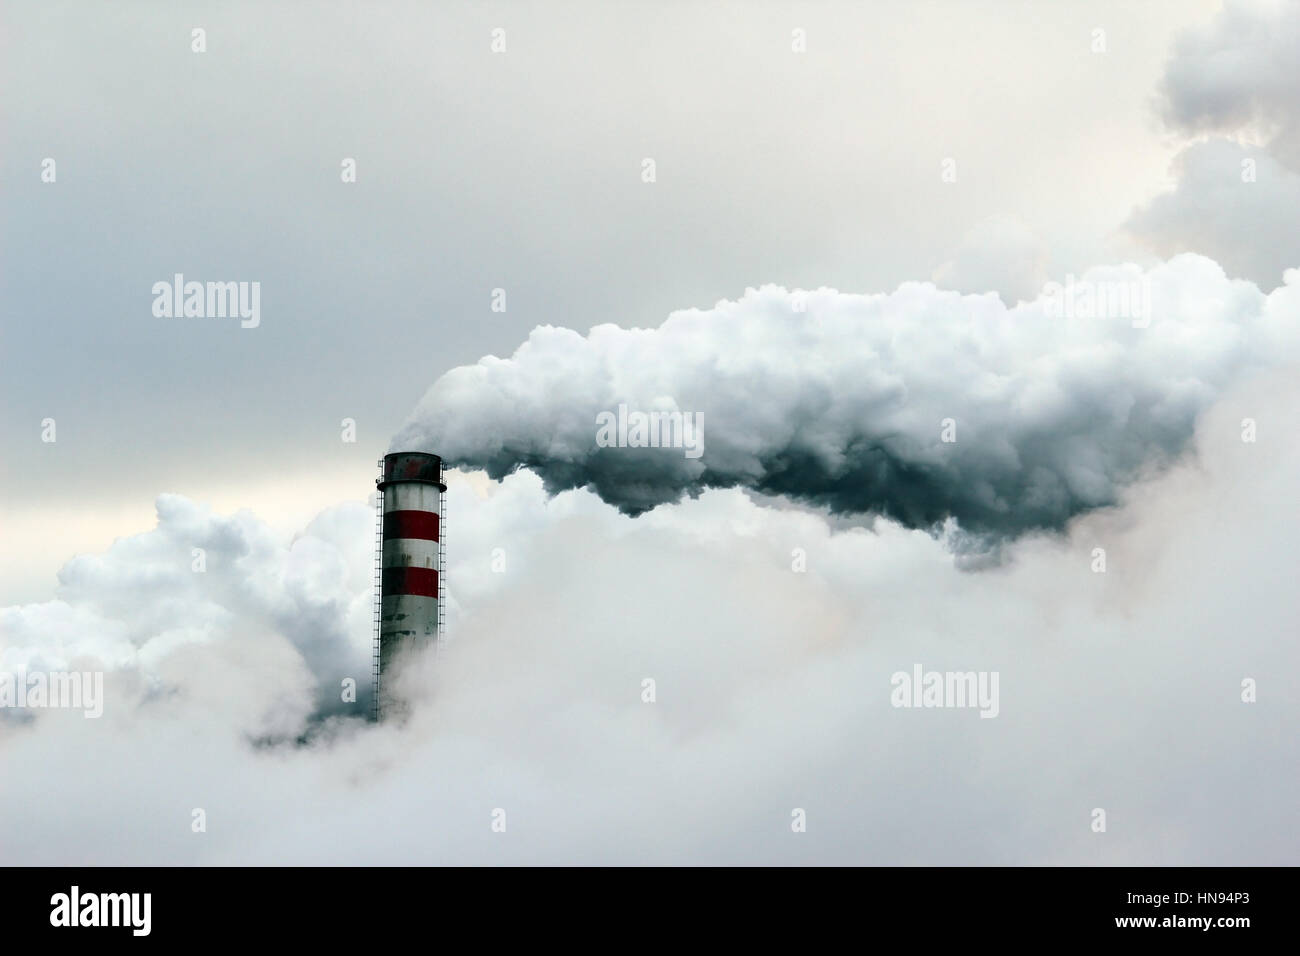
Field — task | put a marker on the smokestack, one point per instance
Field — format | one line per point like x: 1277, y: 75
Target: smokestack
x: 410, y: 562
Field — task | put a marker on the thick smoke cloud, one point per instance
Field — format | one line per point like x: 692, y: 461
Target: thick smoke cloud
x: 1119, y: 690
x: 200, y: 579
x: 841, y: 400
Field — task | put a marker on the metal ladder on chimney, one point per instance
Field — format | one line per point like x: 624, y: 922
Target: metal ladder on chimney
x: 441, y: 644
x: 379, y: 591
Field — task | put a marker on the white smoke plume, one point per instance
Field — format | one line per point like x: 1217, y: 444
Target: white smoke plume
x: 846, y: 401
x: 201, y: 580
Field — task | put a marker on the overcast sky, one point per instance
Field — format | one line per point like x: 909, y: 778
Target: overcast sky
x: 1082, y: 135
x: 478, y: 171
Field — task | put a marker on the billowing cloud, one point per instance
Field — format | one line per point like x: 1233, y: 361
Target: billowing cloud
x: 201, y: 579
x: 1232, y: 201
x: 920, y: 405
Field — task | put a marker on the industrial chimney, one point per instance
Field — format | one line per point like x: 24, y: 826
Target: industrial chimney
x: 409, y: 560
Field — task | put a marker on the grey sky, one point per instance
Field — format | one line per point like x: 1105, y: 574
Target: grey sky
x: 479, y: 171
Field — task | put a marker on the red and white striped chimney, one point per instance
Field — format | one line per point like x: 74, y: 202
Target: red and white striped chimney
x: 412, y: 487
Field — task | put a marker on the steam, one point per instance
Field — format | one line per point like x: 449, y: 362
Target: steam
x: 225, y: 585
x: 772, y: 681
x: 845, y: 401
x: 773, y: 688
